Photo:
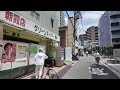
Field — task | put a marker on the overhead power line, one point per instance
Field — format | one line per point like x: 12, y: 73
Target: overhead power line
x: 70, y: 19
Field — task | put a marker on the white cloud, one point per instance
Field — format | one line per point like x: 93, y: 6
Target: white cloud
x: 90, y: 18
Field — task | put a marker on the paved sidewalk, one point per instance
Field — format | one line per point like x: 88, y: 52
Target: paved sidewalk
x: 59, y: 70
x: 32, y: 76
x: 115, y: 68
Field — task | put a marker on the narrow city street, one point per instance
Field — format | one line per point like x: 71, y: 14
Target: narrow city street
x: 52, y: 44
x: 86, y: 68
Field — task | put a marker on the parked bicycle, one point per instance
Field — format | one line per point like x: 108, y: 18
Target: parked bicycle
x: 49, y: 73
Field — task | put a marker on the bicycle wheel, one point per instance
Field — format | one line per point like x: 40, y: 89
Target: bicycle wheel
x: 52, y: 74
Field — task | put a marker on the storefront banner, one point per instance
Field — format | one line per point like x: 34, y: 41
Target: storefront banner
x: 12, y: 17
x: 8, y: 52
x: 22, y: 52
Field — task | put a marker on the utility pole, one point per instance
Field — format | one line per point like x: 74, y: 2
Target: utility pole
x: 77, y: 15
x: 74, y: 30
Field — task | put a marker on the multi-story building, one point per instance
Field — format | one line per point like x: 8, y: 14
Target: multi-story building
x: 104, y: 30
x: 63, y: 36
x: 67, y: 35
x: 92, y: 37
x: 115, y: 28
x: 24, y: 32
x: 109, y: 26
x: 92, y: 34
x: 62, y: 19
x: 70, y: 33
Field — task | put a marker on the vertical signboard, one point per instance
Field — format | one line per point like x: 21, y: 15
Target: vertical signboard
x: 68, y: 53
x: 62, y: 53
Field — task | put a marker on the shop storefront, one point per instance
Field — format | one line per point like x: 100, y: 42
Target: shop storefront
x: 19, y: 42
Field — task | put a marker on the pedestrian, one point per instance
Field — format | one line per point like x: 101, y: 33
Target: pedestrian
x: 97, y: 57
x: 39, y: 62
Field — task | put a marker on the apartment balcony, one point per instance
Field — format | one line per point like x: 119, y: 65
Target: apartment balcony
x: 114, y: 13
x: 115, y: 36
x: 114, y: 28
x: 115, y: 43
x: 115, y: 20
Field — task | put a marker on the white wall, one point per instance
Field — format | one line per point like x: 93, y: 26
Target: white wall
x: 45, y: 19
x: 68, y: 53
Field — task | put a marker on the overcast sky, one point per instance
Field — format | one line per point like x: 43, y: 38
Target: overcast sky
x: 90, y: 18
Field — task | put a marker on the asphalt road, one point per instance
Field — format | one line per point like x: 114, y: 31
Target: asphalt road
x: 86, y: 68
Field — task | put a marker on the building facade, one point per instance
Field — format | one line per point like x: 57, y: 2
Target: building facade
x: 66, y: 33
x: 67, y: 36
x: 109, y: 26
x: 91, y: 38
x: 92, y: 34
x: 62, y: 19
x: 70, y: 31
x: 104, y: 30
x: 63, y: 36
x: 115, y: 28
x: 24, y: 32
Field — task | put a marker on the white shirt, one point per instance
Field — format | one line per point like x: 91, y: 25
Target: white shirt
x: 40, y: 58
x: 97, y: 54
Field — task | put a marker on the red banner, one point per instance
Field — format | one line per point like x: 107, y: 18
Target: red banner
x: 9, y: 52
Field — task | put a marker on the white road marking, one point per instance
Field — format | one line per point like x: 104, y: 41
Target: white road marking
x: 97, y: 71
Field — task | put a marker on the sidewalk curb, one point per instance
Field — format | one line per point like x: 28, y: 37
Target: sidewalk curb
x: 26, y: 77
x: 116, y: 72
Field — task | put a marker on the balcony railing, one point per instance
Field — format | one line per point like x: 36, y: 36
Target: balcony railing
x: 115, y: 20
x: 115, y: 36
x: 114, y: 43
x: 114, y: 28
